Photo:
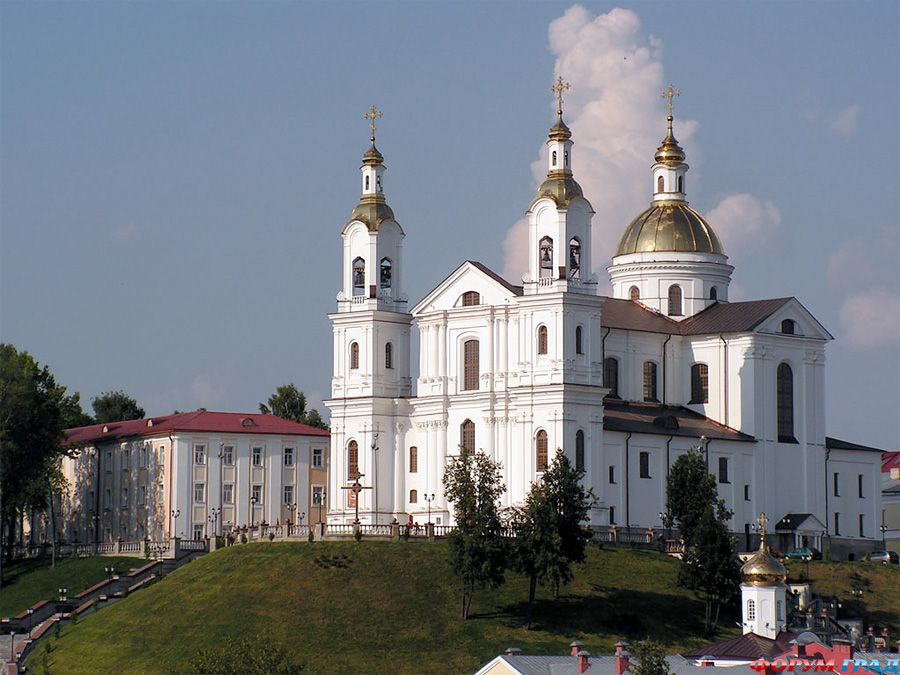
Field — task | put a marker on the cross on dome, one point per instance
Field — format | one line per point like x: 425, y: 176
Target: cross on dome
x: 558, y: 88
x: 670, y: 93
x: 762, y: 521
x: 372, y: 114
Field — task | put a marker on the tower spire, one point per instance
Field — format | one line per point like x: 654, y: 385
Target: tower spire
x: 558, y: 88
x: 669, y: 94
x: 374, y: 113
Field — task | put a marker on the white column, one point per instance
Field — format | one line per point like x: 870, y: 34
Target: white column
x: 433, y: 351
x: 437, y: 487
x: 399, y: 468
x: 442, y: 342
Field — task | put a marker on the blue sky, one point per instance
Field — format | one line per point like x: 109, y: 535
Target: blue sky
x: 174, y: 176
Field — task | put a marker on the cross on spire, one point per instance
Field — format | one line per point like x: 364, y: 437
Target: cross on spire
x: 670, y: 93
x: 372, y: 114
x: 762, y: 521
x: 558, y: 88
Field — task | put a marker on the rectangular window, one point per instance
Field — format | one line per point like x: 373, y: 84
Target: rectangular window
x: 142, y: 495
x: 862, y: 529
x: 162, y: 456
x: 471, y: 369
x: 645, y: 464
x: 317, y: 492
x: 198, y: 532
x: 859, y: 486
x: 199, y: 492
x: 288, y: 496
x: 228, y: 455
x: 126, y: 459
x: 228, y: 493
x: 612, y: 474
x: 723, y: 469
x: 107, y: 498
x: 124, y: 497
x: 612, y: 515
x: 289, y: 457
x: 142, y: 458
x: 199, y: 454
x: 837, y: 523
x: 109, y: 461
x: 257, y: 456
x: 746, y: 493
x: 837, y: 491
x: 414, y: 459
x: 256, y: 494
x: 318, y: 460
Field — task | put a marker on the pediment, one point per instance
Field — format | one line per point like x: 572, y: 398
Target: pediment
x: 469, y: 277
x: 805, y: 324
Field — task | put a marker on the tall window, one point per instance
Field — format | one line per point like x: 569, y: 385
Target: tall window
x: 785, y: 395
x: 228, y: 493
x: 837, y: 484
x: 746, y: 492
x: 674, y: 300
x: 579, y: 450
x: 540, y: 443
x: 542, y: 339
x: 125, y: 497
x: 354, y: 355
x: 389, y: 356
x: 287, y: 496
x: 611, y: 376
x: 837, y: 524
x: 471, y: 298
x: 751, y: 610
x: 318, y: 491
x: 352, y: 460
x: 318, y: 458
x: 289, y: 457
x: 413, y: 497
x: 385, y: 273
x: 699, y: 383
x: 554, y: 158
x: 579, y: 346
x: 199, y: 492
x: 359, y: 276
x: 199, y: 454
x: 467, y: 437
x: 256, y: 494
x: 414, y: 459
x: 257, y: 456
x: 645, y: 464
x: 634, y: 293
x: 787, y: 327
x: 859, y: 486
x: 681, y: 184
x: 659, y: 184
x: 574, y: 258
x: 862, y: 530
x: 142, y: 457
x: 612, y: 474
x: 546, y: 254
x: 470, y: 364
x: 227, y: 455
x: 713, y: 293
x: 723, y: 470
x: 650, y: 381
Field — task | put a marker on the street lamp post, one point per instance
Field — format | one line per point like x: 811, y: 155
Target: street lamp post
x: 253, y: 502
x: 429, y: 499
x: 292, y: 508
x: 110, y: 571
x: 806, y: 558
x: 883, y: 532
x: 321, y: 502
x: 214, y: 519
x: 12, y: 642
x: 63, y: 594
x: 30, y: 620
x: 175, y: 514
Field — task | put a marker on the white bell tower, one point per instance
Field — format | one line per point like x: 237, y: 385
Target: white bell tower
x: 763, y: 593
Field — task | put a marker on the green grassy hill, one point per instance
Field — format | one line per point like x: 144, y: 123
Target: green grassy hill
x: 379, y: 607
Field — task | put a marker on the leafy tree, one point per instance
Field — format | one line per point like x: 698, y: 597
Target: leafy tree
x: 651, y: 659
x: 34, y: 410
x: 289, y: 403
x: 689, y: 490
x: 246, y: 655
x: 550, y: 534
x: 116, y: 406
x: 477, y: 550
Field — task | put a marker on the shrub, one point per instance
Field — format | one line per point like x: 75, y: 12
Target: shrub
x: 255, y: 655
x: 358, y: 535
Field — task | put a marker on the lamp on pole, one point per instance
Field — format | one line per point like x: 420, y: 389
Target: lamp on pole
x: 110, y: 571
x: 321, y: 502
x: 12, y: 642
x: 214, y: 519
x: 175, y: 514
x: 253, y: 502
x: 806, y: 558
x: 63, y: 594
x: 292, y: 509
x: 429, y: 499
x: 883, y: 529
x: 30, y: 611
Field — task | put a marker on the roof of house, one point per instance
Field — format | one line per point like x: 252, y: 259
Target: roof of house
x: 196, y: 421
x: 526, y: 664
x: 838, y: 444
x: 791, y: 521
x: 655, y: 418
x: 748, y: 647
x: 890, y: 460
x: 496, y: 277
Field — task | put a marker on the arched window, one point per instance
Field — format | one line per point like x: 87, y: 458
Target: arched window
x: 470, y: 364
x: 787, y: 327
x: 574, y: 258
x: 359, y: 276
x: 611, y: 376
x: 579, y: 345
x: 579, y: 450
x: 785, y: 397
x: 540, y: 450
x: 713, y: 293
x: 352, y: 460
x: 660, y: 184
x: 699, y: 383
x: 546, y: 254
x: 650, y: 382
x: 554, y: 158
x: 634, y: 293
x: 413, y: 459
x: 751, y: 610
x: 386, y: 269
x: 470, y: 299
x: 389, y: 355
x: 378, y: 183
x: 354, y: 355
x: 467, y: 437
x: 367, y: 182
x: 413, y: 496
x: 674, y: 300
x: 681, y: 184
x: 566, y: 158
x: 542, y: 340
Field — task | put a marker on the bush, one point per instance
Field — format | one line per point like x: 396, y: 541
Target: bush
x: 243, y: 538
x: 256, y: 655
x: 310, y: 537
x: 358, y: 535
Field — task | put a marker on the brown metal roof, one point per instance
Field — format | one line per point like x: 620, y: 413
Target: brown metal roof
x: 838, y: 444
x: 496, y: 277
x: 629, y: 315
x: 665, y: 420
x: 748, y: 647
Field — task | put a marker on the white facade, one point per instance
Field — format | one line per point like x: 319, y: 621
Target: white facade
x: 537, y: 356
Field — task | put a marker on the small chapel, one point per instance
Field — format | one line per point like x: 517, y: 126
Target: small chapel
x: 622, y: 384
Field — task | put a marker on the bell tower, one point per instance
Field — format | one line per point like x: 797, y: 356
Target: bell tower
x: 763, y: 592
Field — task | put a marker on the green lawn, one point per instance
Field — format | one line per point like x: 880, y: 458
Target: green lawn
x: 26, y: 582
x: 380, y: 607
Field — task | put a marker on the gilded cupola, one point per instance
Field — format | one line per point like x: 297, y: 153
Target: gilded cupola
x: 560, y: 186
x: 372, y: 209
x: 762, y: 569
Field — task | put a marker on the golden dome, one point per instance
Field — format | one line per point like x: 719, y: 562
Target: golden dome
x: 372, y: 155
x: 561, y: 187
x: 763, y: 569
x: 669, y: 225
x: 559, y: 131
x: 669, y: 152
x: 372, y: 210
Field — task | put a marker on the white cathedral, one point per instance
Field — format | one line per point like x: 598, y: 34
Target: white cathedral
x: 623, y: 384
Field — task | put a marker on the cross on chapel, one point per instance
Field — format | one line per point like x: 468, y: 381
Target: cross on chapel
x: 355, y: 489
x: 669, y: 94
x: 373, y: 114
x: 558, y: 88
x: 762, y: 521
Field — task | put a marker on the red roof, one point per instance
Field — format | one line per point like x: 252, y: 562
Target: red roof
x: 890, y: 460
x: 199, y: 421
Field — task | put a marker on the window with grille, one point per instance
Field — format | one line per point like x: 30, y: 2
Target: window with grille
x: 199, y: 492
x: 751, y: 610
x: 699, y: 383
x: 675, y: 300
x: 579, y: 450
x: 352, y: 460
x: 389, y: 356
x: 413, y: 459
x: 467, y: 436
x: 650, y: 382
x: 785, y: 396
x: 318, y: 458
x: 227, y: 455
x: 289, y: 457
x: 611, y: 376
x: 257, y: 456
x: 470, y: 365
x: 413, y: 496
x: 471, y: 298
x: 542, y: 339
x: 354, y: 356
x: 540, y: 443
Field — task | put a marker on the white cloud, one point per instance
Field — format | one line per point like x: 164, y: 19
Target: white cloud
x: 871, y: 319
x: 125, y: 233
x: 743, y: 221
x: 845, y: 122
x: 866, y: 262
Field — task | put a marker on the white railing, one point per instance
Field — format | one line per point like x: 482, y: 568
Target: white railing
x: 546, y: 281
x: 375, y: 529
x: 106, y: 547
x: 443, y: 530
x: 359, y: 299
x: 192, y: 545
x: 338, y: 528
x: 130, y: 546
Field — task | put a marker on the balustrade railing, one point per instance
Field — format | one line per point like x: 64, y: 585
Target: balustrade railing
x: 338, y: 529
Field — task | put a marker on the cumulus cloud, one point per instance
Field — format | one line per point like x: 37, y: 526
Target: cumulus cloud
x: 844, y: 123
x: 743, y: 221
x: 866, y: 262
x: 125, y: 233
x: 871, y: 318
